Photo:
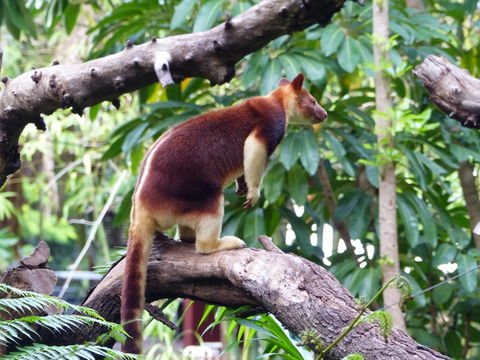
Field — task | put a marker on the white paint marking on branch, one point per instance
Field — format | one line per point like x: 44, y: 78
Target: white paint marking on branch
x: 93, y: 231
x: 162, y: 68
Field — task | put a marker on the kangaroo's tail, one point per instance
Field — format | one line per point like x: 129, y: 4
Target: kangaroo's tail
x: 133, y: 288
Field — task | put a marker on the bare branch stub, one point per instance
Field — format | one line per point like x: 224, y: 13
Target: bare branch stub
x: 452, y: 89
x: 211, y: 55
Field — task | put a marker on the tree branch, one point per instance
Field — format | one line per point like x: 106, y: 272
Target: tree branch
x: 301, y: 295
x: 211, y: 54
x: 452, y: 89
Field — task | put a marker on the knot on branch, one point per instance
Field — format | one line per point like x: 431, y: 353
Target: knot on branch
x: 37, y: 75
x: 119, y: 84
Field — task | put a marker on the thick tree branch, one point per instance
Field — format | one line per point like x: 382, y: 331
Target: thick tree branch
x: 301, y: 294
x: 211, y: 54
x: 452, y: 89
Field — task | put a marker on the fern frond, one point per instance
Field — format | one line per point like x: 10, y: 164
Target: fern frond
x: 383, y: 319
x: 23, y: 300
x: 13, y: 330
x: 70, y: 352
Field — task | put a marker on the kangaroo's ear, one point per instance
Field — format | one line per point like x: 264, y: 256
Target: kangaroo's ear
x: 283, y: 82
x: 298, y: 82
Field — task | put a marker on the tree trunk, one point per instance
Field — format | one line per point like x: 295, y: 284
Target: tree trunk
x: 470, y: 193
x: 387, y: 198
x: 302, y: 295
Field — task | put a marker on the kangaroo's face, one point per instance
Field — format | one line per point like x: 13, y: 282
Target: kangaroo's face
x: 301, y: 106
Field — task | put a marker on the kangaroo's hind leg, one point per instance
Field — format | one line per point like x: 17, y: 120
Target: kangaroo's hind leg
x: 207, y: 233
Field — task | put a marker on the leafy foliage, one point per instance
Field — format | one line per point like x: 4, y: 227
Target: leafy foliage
x: 21, y: 303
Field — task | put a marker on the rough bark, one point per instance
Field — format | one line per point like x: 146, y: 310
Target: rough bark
x: 452, y: 89
x: 472, y: 200
x: 211, y: 54
x: 301, y: 294
x: 387, y: 197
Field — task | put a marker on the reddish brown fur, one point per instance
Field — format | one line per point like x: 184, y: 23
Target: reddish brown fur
x: 188, y: 168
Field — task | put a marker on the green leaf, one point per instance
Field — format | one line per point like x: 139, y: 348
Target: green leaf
x: 416, y: 167
x: 348, y: 203
x: 289, y: 150
x: 273, y: 183
x: 254, y: 225
x: 372, y: 175
x: 468, y: 281
x: 70, y: 17
x: 332, y: 37
x: 271, y: 77
x: 336, y: 145
x: 313, y: 68
x: 426, y: 217
x: 302, y: 231
x: 181, y: 12
x: 132, y: 138
x: 290, y: 65
x: 444, y: 254
x: 348, y: 55
x: 207, y: 15
x: 309, y: 152
x: 364, y: 282
x: 256, y: 66
x: 359, y: 220
x: 407, y: 214
x: 298, y: 185
x: 442, y: 294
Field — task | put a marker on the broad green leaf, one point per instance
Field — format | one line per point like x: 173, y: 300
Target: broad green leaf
x: 232, y: 223
x: 313, y: 68
x: 426, y: 217
x: 255, y: 68
x: 348, y: 55
x: 298, y: 185
x: 442, y: 294
x: 289, y: 150
x: 254, y: 225
x: 271, y: 77
x: 365, y: 282
x: 132, y: 138
x: 240, y: 7
x: 336, y: 145
x: 207, y: 15
x: 273, y: 183
x: 302, y: 231
x: 71, y: 15
x: 310, y: 151
x: 409, y: 219
x: 468, y: 281
x: 348, y: 204
x: 182, y: 10
x: 372, y: 175
x: 459, y: 237
x: 332, y: 37
x: 416, y: 167
x: 360, y: 218
x: 290, y: 65
x: 444, y: 254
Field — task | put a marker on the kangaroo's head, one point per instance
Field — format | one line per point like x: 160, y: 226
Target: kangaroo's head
x: 300, y: 106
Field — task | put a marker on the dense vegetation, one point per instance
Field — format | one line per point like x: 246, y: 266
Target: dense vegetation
x: 69, y: 172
